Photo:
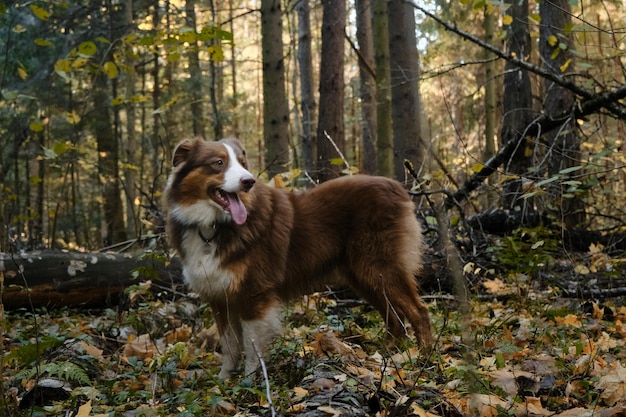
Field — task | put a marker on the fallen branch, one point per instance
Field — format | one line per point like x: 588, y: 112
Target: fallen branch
x: 56, y: 278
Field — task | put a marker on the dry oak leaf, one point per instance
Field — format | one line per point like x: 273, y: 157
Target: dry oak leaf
x: 142, y: 347
x: 495, y: 286
x: 613, y: 384
x: 327, y: 344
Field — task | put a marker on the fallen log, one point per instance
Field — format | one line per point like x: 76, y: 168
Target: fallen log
x: 59, y: 278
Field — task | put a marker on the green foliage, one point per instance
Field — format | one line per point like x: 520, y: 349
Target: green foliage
x: 63, y: 370
x: 28, y: 353
x: 527, y: 250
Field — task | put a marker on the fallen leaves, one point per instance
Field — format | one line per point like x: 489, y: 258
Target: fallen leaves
x: 523, y: 359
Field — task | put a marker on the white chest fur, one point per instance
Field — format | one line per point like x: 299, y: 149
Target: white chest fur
x: 201, y: 267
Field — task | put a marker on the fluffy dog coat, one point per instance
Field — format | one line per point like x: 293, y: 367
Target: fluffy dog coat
x: 247, y: 247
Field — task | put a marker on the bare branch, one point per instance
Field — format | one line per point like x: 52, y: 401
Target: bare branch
x: 613, y: 107
x: 540, y: 126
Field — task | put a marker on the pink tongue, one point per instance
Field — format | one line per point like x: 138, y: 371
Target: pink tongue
x: 237, y: 209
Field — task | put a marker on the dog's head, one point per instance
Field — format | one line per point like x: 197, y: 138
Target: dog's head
x: 208, y: 181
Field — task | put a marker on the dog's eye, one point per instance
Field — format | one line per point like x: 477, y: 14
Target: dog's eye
x: 219, y: 162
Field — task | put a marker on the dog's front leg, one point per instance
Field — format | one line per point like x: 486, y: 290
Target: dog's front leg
x: 257, y: 336
x: 231, y: 351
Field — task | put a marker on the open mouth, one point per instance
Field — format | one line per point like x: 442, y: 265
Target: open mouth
x: 231, y: 203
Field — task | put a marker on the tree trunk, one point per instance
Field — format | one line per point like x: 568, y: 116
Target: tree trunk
x: 307, y: 94
x: 233, y: 70
x: 405, y: 100
x: 66, y: 279
x: 275, y: 106
x: 130, y: 172
x: 517, y: 102
x: 564, y: 145
x: 108, y: 163
x: 195, y: 73
x: 216, y: 84
x: 330, y: 126
x: 384, y: 130
x: 490, y: 94
x: 367, y: 77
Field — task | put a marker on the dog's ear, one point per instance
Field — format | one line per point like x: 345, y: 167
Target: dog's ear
x: 181, y: 152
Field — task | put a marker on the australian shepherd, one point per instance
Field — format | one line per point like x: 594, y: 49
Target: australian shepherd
x: 247, y: 247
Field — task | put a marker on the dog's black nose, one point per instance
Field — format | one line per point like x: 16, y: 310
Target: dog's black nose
x: 247, y: 183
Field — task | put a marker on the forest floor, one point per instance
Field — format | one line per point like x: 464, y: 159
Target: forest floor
x: 518, y: 347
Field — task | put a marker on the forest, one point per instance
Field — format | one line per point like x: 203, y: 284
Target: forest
x: 504, y: 119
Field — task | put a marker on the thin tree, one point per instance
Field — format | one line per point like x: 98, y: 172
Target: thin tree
x: 330, y: 126
x: 490, y: 90
x: 367, y: 78
x: 564, y: 145
x: 108, y: 162
x: 517, y: 100
x: 275, y: 106
x: 384, y: 130
x: 307, y: 94
x: 130, y: 172
x: 195, y: 73
x: 405, y: 99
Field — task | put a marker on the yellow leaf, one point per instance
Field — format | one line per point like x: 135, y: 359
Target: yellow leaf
x: 84, y: 410
x: 536, y: 17
x: 22, y: 73
x: 216, y: 53
x: 42, y: 42
x: 19, y: 29
x: 528, y: 152
x: 79, y: 63
x: 507, y: 19
x: 41, y: 14
x: 36, y: 126
x: 565, y: 65
x: 477, y: 168
x: 63, y: 65
x: 552, y: 40
x: 87, y: 48
x: 110, y: 69
x: 72, y: 117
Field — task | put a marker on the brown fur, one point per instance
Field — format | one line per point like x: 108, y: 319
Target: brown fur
x: 358, y: 230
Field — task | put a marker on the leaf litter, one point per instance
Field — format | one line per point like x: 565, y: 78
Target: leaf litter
x: 531, y: 355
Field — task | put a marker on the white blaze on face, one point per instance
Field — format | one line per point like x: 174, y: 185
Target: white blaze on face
x: 235, y: 173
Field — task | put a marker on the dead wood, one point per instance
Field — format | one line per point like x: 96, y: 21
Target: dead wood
x: 58, y: 278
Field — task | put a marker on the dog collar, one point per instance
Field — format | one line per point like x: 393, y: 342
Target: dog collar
x: 209, y: 240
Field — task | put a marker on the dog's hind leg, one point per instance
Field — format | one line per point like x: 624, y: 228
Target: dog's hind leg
x: 393, y: 292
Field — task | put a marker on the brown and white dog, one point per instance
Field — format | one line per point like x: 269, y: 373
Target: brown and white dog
x: 247, y: 247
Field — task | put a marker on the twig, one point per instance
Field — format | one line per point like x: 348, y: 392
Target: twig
x: 268, y: 392
x: 332, y: 142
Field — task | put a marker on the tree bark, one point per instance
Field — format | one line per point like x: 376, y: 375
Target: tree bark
x: 405, y: 99
x: 108, y: 163
x: 307, y: 94
x: 384, y: 130
x: 367, y: 78
x: 517, y: 102
x: 330, y: 127
x: 130, y: 172
x: 564, y: 145
x: 68, y: 279
x: 275, y: 106
x: 195, y: 73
